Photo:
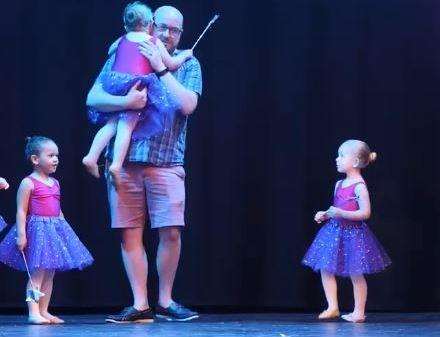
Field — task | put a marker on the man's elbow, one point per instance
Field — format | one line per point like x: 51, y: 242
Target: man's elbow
x: 190, y: 106
x: 90, y: 100
x: 93, y: 95
x: 367, y: 215
x: 188, y: 110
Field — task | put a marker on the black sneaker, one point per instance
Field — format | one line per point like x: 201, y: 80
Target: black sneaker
x: 132, y: 315
x: 176, y: 312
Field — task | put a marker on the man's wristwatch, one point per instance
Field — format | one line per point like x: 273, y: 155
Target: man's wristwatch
x: 162, y: 72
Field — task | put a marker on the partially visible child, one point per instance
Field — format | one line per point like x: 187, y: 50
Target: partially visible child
x: 41, y: 231
x: 3, y: 186
x: 130, y: 67
x: 345, y: 246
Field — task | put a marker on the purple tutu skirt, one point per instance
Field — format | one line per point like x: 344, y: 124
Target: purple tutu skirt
x: 51, y: 244
x: 155, y: 117
x: 3, y: 224
x: 346, y: 248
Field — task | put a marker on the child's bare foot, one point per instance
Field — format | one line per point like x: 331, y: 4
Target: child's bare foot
x: 115, y: 172
x: 354, y: 318
x: 91, y: 166
x: 38, y: 319
x: 329, y: 314
x: 53, y: 319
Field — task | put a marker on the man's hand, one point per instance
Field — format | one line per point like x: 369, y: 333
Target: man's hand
x: 136, y: 99
x: 151, y: 52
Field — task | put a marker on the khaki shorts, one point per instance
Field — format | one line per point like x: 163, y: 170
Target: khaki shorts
x: 146, y: 191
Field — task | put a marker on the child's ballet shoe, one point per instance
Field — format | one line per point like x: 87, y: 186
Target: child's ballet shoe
x: 53, y: 319
x: 329, y: 314
x: 37, y: 319
x: 350, y: 318
x: 56, y: 320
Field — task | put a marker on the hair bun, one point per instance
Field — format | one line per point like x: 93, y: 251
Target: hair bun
x: 373, y: 157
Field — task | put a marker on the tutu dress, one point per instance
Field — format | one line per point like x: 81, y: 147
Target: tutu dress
x: 129, y: 67
x: 51, y: 242
x: 3, y: 223
x: 344, y: 247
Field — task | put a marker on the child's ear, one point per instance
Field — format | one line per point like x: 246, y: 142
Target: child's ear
x: 356, y: 163
x: 34, y: 159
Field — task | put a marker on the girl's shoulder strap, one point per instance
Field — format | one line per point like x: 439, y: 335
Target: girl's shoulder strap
x: 338, y: 186
x: 32, y: 179
x: 55, y: 181
x: 359, y: 183
x: 355, y: 185
x: 29, y: 180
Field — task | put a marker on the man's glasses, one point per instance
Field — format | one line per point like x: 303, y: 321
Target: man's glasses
x: 175, y: 31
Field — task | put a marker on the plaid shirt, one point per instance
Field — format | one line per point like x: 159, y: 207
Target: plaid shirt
x: 167, y: 148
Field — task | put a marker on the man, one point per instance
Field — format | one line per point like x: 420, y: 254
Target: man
x: 152, y: 180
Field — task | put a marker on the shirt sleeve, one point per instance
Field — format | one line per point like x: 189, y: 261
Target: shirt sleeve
x: 192, y: 80
x: 105, y: 69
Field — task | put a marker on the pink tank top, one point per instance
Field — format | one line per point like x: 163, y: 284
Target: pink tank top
x: 44, y: 200
x: 129, y: 60
x: 345, y: 198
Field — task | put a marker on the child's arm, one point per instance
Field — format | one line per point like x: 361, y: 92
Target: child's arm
x: 23, y: 194
x: 322, y: 215
x: 3, y: 184
x: 186, y: 96
x: 364, y: 211
x: 173, y: 62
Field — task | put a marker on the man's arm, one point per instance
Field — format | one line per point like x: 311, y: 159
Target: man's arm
x: 188, y: 99
x: 99, y: 99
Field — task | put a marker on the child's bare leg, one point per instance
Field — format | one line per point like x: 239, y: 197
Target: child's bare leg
x: 46, y: 287
x: 35, y: 316
x: 331, y: 294
x: 100, y: 141
x: 360, y: 291
x: 125, y: 128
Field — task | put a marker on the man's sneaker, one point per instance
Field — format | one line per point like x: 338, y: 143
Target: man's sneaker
x: 132, y: 315
x: 175, y: 312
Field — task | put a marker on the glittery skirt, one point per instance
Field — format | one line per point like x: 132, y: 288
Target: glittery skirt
x: 346, y: 248
x: 155, y: 117
x: 51, y: 244
x: 3, y: 224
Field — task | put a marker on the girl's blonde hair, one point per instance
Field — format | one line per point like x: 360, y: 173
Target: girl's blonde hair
x: 137, y: 16
x: 362, y: 152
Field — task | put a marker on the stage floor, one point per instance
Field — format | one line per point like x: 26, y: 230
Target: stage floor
x: 229, y: 325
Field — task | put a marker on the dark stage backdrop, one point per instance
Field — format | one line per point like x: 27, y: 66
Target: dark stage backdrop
x: 285, y: 82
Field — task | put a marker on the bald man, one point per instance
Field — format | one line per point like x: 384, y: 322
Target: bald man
x: 152, y: 180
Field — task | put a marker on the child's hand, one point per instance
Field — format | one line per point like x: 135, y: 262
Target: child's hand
x: 320, y: 217
x: 21, y: 242
x: 3, y: 184
x: 333, y: 212
x: 188, y: 53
